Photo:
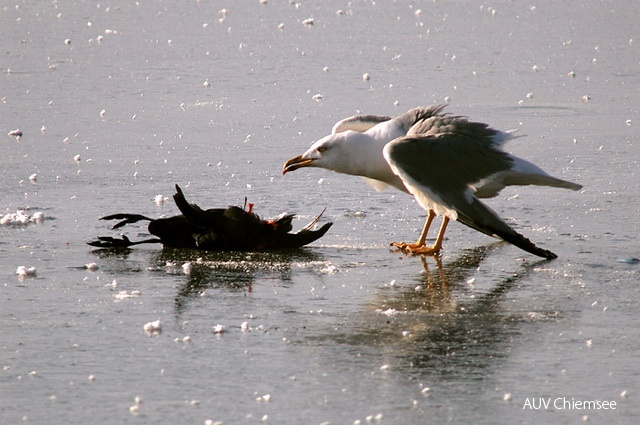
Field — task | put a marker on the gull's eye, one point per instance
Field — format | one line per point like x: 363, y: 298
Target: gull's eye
x: 322, y: 149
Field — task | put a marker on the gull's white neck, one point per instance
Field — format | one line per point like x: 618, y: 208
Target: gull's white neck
x: 364, y: 157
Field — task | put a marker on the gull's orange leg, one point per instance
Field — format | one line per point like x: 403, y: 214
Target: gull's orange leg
x: 423, y: 236
x: 419, y: 247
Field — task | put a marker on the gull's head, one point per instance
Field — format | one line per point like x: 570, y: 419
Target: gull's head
x: 330, y: 152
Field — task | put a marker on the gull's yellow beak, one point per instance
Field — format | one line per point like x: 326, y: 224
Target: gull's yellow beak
x: 295, y: 163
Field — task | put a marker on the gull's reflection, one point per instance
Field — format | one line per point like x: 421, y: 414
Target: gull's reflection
x: 440, y: 320
x: 432, y: 292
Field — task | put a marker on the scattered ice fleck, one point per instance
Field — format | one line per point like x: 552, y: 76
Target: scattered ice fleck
x: 160, y: 199
x: 20, y: 218
x: 206, y: 84
x: 219, y: 329
x: 244, y: 327
x: 589, y: 342
x: 355, y: 214
x: 170, y: 266
x: 624, y: 394
x: 187, y: 267
x: 92, y: 267
x: 123, y: 295
x: 507, y: 397
x: 265, y: 398
x: 153, y: 328
x: 17, y: 133
x: 330, y: 269
x: 373, y: 418
x: 23, y: 271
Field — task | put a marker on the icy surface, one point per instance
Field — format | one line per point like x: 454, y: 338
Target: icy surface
x: 105, y: 105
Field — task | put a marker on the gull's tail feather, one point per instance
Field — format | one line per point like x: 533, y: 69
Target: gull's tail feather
x: 556, y: 182
x: 537, y: 179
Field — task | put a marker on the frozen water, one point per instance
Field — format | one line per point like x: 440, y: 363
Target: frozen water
x: 321, y: 331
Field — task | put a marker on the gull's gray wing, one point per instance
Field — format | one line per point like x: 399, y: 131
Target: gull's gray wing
x: 443, y: 167
x: 439, y: 171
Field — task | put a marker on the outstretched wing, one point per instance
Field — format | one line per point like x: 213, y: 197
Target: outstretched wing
x: 440, y: 171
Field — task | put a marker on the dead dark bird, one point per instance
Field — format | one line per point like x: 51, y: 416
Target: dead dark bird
x: 216, y: 229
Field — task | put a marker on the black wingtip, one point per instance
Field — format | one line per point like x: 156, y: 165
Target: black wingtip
x: 545, y: 253
x: 492, y: 225
x: 523, y: 243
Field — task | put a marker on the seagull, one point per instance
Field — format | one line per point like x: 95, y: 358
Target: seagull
x: 446, y: 162
x: 216, y: 229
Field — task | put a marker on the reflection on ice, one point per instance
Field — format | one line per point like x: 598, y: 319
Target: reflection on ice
x: 440, y: 321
